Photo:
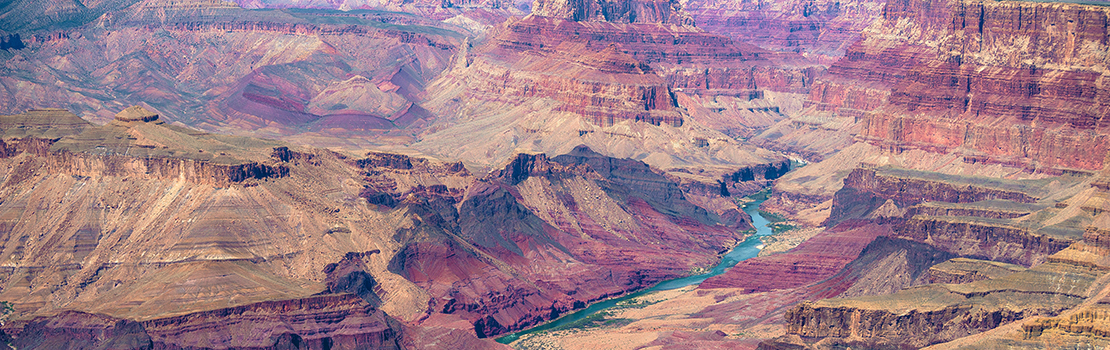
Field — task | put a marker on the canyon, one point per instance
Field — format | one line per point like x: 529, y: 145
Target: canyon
x: 169, y: 234
x: 288, y: 174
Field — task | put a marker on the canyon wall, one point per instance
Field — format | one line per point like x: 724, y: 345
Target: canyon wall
x: 821, y: 30
x: 349, y: 323
x: 941, y: 75
x: 158, y: 247
x: 937, y: 313
x: 663, y: 12
x: 278, y: 73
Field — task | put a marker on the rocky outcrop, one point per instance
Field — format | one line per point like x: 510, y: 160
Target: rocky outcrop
x: 136, y: 145
x: 912, y: 330
x: 391, y: 181
x: 963, y: 270
x: 956, y: 71
x: 814, y: 260
x: 136, y: 114
x: 931, y: 314
x: 198, y: 171
x: 339, y: 321
x: 984, y: 239
x: 820, y: 29
x: 990, y: 210
x: 661, y: 12
x: 911, y: 189
x: 868, y: 189
x: 565, y: 216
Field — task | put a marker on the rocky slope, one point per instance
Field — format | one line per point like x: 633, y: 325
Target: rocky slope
x: 937, y: 313
x: 569, y: 75
x: 941, y: 75
x: 342, y: 321
x: 820, y: 30
x: 166, y: 235
x: 967, y: 217
x: 898, y: 267
x: 590, y: 227
x: 303, y: 74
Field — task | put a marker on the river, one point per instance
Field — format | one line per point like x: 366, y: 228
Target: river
x: 747, y: 249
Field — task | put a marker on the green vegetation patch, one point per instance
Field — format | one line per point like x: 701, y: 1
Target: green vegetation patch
x: 777, y: 228
x: 761, y: 195
x: 598, y: 320
x: 772, y: 217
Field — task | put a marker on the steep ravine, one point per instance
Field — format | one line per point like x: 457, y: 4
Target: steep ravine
x: 747, y: 249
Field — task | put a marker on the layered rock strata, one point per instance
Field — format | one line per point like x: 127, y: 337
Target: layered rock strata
x: 931, y: 314
x: 135, y: 141
x: 1044, y: 267
x: 822, y: 30
x: 338, y: 321
x: 452, y: 255
x: 963, y: 270
x: 941, y: 75
x: 223, y: 68
x: 597, y: 225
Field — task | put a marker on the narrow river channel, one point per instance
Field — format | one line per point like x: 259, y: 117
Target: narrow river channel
x: 745, y: 250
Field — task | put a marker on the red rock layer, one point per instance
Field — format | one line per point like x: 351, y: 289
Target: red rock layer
x: 821, y: 29
x: 502, y: 268
x: 814, y: 260
x: 628, y: 73
x: 959, y: 82
x: 606, y: 87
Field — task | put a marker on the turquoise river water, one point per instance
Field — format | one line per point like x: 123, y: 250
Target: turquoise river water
x: 747, y: 249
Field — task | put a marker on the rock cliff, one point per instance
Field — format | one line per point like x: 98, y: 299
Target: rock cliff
x: 154, y: 248
x: 821, y: 30
x: 941, y: 75
x: 591, y: 226
x: 222, y: 68
x: 339, y: 321
x: 547, y: 84
x: 662, y: 12
x: 135, y: 142
x: 937, y: 313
